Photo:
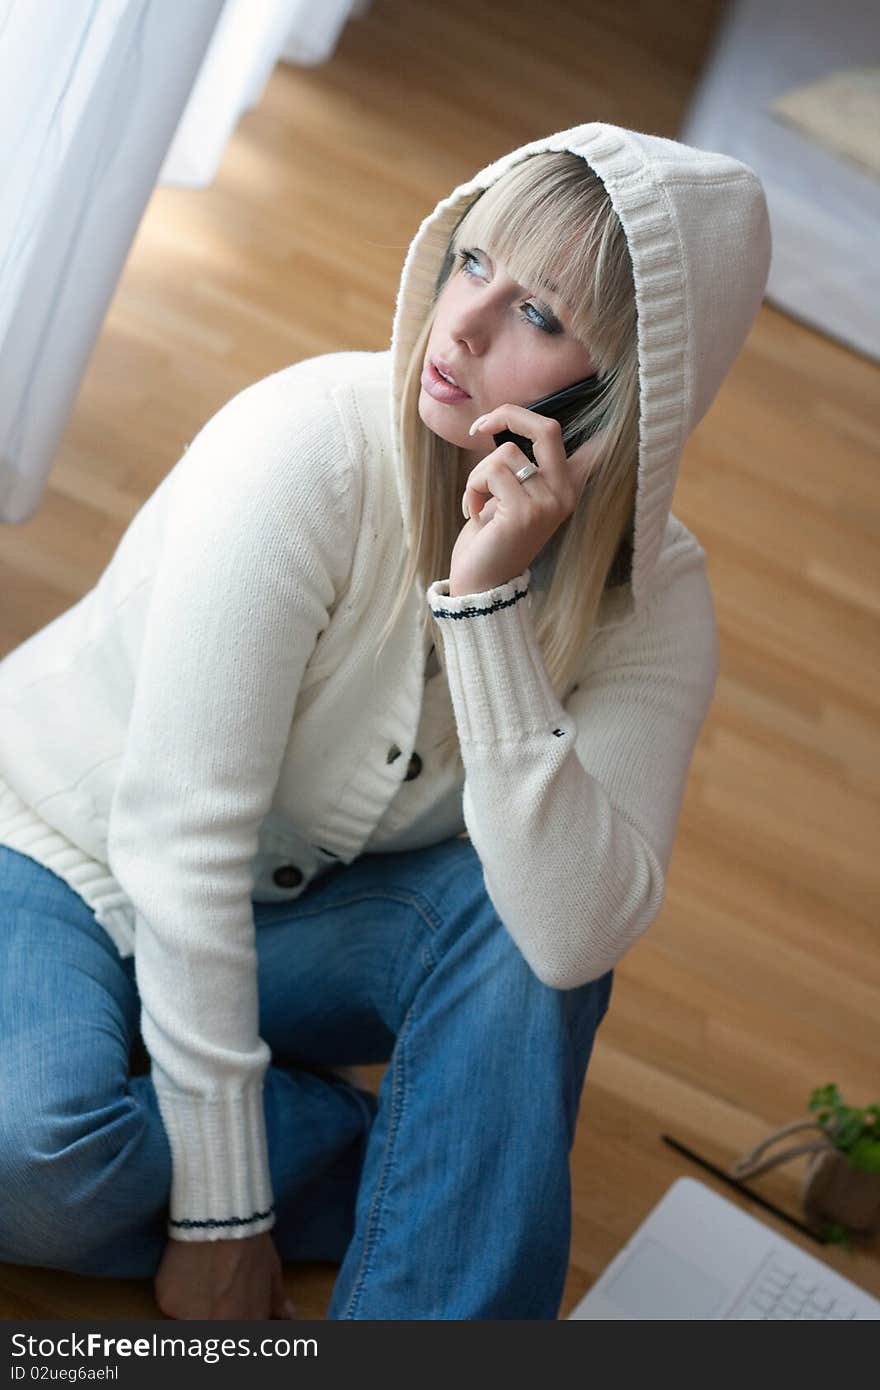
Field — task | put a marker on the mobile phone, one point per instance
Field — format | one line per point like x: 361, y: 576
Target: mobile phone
x: 561, y: 406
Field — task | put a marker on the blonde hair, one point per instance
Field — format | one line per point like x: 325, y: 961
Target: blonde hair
x: 549, y: 217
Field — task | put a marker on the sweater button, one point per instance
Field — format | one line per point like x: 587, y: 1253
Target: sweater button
x: 414, y: 768
x: 288, y: 876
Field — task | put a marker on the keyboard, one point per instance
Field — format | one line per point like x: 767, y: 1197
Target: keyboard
x: 779, y: 1290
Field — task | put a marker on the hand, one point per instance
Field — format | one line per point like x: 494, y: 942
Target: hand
x: 210, y: 1279
x: 511, y: 521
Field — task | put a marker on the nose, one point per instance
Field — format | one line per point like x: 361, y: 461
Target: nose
x: 468, y: 329
x: 472, y: 323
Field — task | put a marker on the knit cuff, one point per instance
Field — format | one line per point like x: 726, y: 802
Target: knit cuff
x: 498, y: 683
x: 221, y: 1188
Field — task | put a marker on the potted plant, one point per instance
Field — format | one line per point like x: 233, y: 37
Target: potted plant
x: 840, y: 1192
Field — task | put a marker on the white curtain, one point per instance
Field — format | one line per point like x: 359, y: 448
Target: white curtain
x: 99, y: 99
x: 249, y: 39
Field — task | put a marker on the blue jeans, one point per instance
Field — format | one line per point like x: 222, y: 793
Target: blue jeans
x: 447, y: 1196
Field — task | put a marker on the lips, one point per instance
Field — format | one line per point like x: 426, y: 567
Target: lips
x: 447, y: 371
x: 438, y: 387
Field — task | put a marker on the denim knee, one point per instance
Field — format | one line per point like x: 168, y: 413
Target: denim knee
x: 465, y: 917
x: 59, y: 1180
x: 472, y: 946
x: 33, y: 1213
x: 39, y: 1222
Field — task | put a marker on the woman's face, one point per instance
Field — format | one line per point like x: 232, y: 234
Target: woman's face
x: 502, y: 343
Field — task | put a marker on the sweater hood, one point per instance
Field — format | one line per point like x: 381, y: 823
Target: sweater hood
x: 699, y: 239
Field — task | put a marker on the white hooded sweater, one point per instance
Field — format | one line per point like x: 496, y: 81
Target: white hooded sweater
x: 204, y: 728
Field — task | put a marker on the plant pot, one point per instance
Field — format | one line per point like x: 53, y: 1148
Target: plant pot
x: 833, y: 1190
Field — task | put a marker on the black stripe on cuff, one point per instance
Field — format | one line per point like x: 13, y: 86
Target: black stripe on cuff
x: 481, y: 612
x: 190, y: 1225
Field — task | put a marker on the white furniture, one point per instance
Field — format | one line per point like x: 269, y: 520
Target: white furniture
x: 824, y: 210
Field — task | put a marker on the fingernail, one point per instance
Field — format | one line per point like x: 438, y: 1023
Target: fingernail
x: 464, y: 508
x: 476, y: 425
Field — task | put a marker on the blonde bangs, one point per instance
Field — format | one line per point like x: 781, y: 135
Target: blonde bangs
x: 540, y: 223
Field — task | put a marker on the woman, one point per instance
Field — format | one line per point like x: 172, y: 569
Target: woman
x: 237, y: 774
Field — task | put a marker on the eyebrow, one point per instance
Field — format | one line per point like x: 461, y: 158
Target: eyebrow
x: 539, y: 284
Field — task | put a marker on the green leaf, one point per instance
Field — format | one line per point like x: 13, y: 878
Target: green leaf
x: 822, y: 1095
x: 849, y: 1131
x: 865, y: 1154
x: 837, y: 1234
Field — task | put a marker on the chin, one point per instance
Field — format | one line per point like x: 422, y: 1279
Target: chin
x: 430, y: 420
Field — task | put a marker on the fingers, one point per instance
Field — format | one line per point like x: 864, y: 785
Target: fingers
x: 494, y: 477
x: 545, y: 435
x: 544, y: 432
x: 552, y: 484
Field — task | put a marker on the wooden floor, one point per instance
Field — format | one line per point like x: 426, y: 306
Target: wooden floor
x: 761, y: 977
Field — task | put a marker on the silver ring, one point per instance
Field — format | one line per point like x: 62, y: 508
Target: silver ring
x: 526, y: 471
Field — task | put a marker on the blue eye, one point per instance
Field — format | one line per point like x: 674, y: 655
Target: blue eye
x: 465, y: 257
x: 545, y: 322
x: 539, y: 319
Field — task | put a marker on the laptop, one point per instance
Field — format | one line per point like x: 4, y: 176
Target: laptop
x: 698, y: 1256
